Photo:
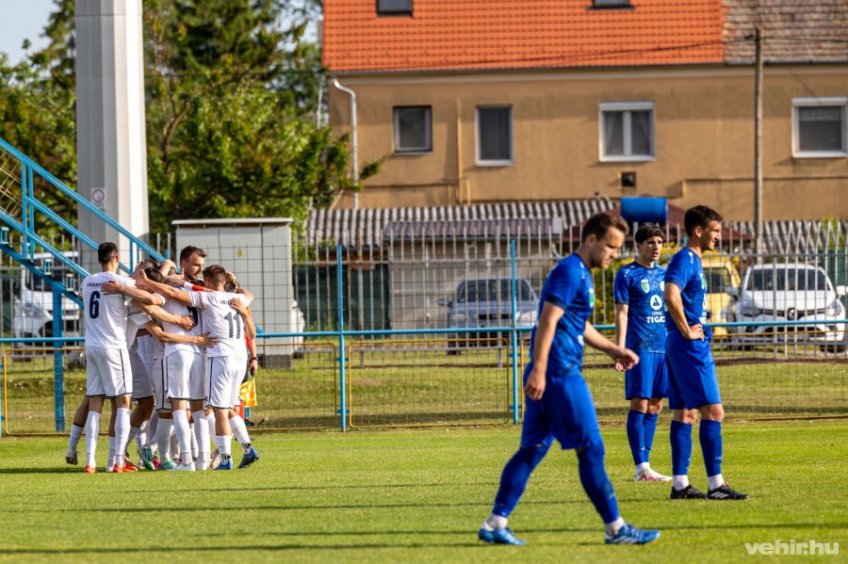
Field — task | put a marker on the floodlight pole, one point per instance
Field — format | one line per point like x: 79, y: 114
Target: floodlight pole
x: 758, y: 143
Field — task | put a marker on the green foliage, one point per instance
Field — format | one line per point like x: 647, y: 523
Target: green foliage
x: 231, y: 98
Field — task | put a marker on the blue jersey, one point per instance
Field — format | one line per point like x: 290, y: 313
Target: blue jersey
x: 641, y: 290
x: 686, y: 272
x: 569, y: 285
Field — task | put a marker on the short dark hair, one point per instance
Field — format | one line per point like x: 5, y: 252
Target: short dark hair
x: 600, y: 223
x: 189, y: 250
x: 699, y: 216
x: 154, y: 274
x: 215, y: 272
x: 106, y: 252
x: 648, y: 231
x: 144, y: 264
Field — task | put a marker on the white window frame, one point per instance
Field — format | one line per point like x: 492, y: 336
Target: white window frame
x: 396, y: 131
x: 796, y: 126
x: 627, y: 107
x: 494, y: 162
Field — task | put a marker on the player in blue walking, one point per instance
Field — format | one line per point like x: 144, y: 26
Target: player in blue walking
x: 640, y: 326
x: 559, y: 405
x: 693, y: 384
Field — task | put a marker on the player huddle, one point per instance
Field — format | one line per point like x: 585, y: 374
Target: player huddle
x: 177, y: 346
x: 663, y: 345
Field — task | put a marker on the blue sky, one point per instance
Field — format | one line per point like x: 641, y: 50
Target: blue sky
x: 22, y: 19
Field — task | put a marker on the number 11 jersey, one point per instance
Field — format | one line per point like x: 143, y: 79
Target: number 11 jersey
x: 222, y: 321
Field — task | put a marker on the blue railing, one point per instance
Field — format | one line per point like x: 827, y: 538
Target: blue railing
x: 30, y: 239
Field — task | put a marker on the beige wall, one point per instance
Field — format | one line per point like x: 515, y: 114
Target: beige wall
x: 704, y: 138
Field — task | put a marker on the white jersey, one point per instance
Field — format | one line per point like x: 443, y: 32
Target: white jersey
x: 105, y: 314
x: 222, y: 321
x: 179, y: 309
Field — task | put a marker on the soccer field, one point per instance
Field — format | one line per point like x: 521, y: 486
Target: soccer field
x: 418, y: 495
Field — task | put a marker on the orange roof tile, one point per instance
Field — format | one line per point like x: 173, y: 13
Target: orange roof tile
x: 488, y: 34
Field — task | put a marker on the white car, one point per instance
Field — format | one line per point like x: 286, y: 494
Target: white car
x: 791, y: 292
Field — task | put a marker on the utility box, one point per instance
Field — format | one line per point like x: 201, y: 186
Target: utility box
x: 258, y: 252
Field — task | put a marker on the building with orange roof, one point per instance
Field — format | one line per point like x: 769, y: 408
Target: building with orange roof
x: 479, y: 101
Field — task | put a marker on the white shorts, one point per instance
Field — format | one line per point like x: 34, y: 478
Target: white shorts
x: 224, y: 375
x: 107, y: 372
x: 142, y: 382
x: 186, y: 375
x: 160, y: 386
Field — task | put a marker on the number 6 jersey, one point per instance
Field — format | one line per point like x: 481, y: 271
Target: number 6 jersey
x: 105, y: 314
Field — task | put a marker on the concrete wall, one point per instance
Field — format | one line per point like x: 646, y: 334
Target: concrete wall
x: 703, y: 125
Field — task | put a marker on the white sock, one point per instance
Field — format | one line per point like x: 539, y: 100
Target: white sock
x: 201, y: 432
x: 612, y: 528
x: 493, y: 522
x: 163, y: 439
x: 240, y: 431
x: 74, y: 438
x: 111, y: 461
x: 224, y: 444
x: 134, y: 433
x: 183, y: 432
x: 193, y: 436
x: 151, y: 426
x: 210, y: 422
x: 141, y: 438
x: 92, y: 431
x: 643, y: 467
x: 122, y: 434
x: 680, y: 482
x: 715, y: 481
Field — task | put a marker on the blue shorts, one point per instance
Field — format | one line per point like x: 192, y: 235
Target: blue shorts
x: 649, y: 378
x: 566, y: 413
x: 692, y: 373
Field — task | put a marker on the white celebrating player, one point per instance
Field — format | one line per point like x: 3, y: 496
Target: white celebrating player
x: 108, y: 373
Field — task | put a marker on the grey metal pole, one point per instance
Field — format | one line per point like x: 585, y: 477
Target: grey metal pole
x: 354, y: 146
x: 758, y: 143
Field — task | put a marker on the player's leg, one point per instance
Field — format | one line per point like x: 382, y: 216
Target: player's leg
x: 77, y: 427
x: 240, y: 429
x: 680, y: 356
x: 220, y: 377
x: 96, y: 364
x: 177, y: 367
x: 121, y: 390
x: 536, y: 440
x: 637, y: 392
x: 659, y: 390
x: 198, y: 394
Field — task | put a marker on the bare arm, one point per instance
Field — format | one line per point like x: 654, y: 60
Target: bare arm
x: 169, y: 292
x: 156, y: 312
x: 545, y: 331
x: 250, y: 327
x: 137, y: 294
x: 674, y: 303
x: 620, y: 355
x: 621, y: 311
x: 166, y: 267
x: 163, y: 336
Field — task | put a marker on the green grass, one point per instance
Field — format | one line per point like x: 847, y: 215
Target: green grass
x: 417, y: 495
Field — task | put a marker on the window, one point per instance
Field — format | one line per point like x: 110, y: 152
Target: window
x: 819, y: 127
x: 394, y: 7
x: 494, y: 135
x: 627, y: 131
x: 611, y: 4
x: 413, y: 130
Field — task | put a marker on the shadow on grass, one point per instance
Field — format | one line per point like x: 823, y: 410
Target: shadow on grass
x: 48, y: 470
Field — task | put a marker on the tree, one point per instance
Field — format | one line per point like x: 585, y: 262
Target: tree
x: 231, y: 94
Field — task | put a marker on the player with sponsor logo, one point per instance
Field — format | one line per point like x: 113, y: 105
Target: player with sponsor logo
x: 693, y: 382
x: 640, y: 326
x: 559, y: 404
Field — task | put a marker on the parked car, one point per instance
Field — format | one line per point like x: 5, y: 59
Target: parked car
x: 791, y: 292
x: 486, y: 302
x: 722, y: 283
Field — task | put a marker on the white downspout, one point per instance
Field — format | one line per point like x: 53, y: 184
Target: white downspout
x: 353, y: 140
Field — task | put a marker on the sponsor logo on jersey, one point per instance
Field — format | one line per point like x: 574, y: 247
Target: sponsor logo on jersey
x: 646, y: 286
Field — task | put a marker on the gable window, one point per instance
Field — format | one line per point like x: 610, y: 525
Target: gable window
x: 627, y: 131
x: 611, y: 4
x: 494, y: 135
x: 819, y: 127
x: 413, y: 129
x: 394, y: 7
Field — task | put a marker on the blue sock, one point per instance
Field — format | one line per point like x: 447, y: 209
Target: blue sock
x: 649, y: 429
x: 514, y: 478
x: 595, y: 482
x: 681, y: 447
x: 636, y: 435
x: 711, y: 445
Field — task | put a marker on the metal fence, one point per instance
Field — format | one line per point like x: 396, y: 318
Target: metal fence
x: 430, y: 327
